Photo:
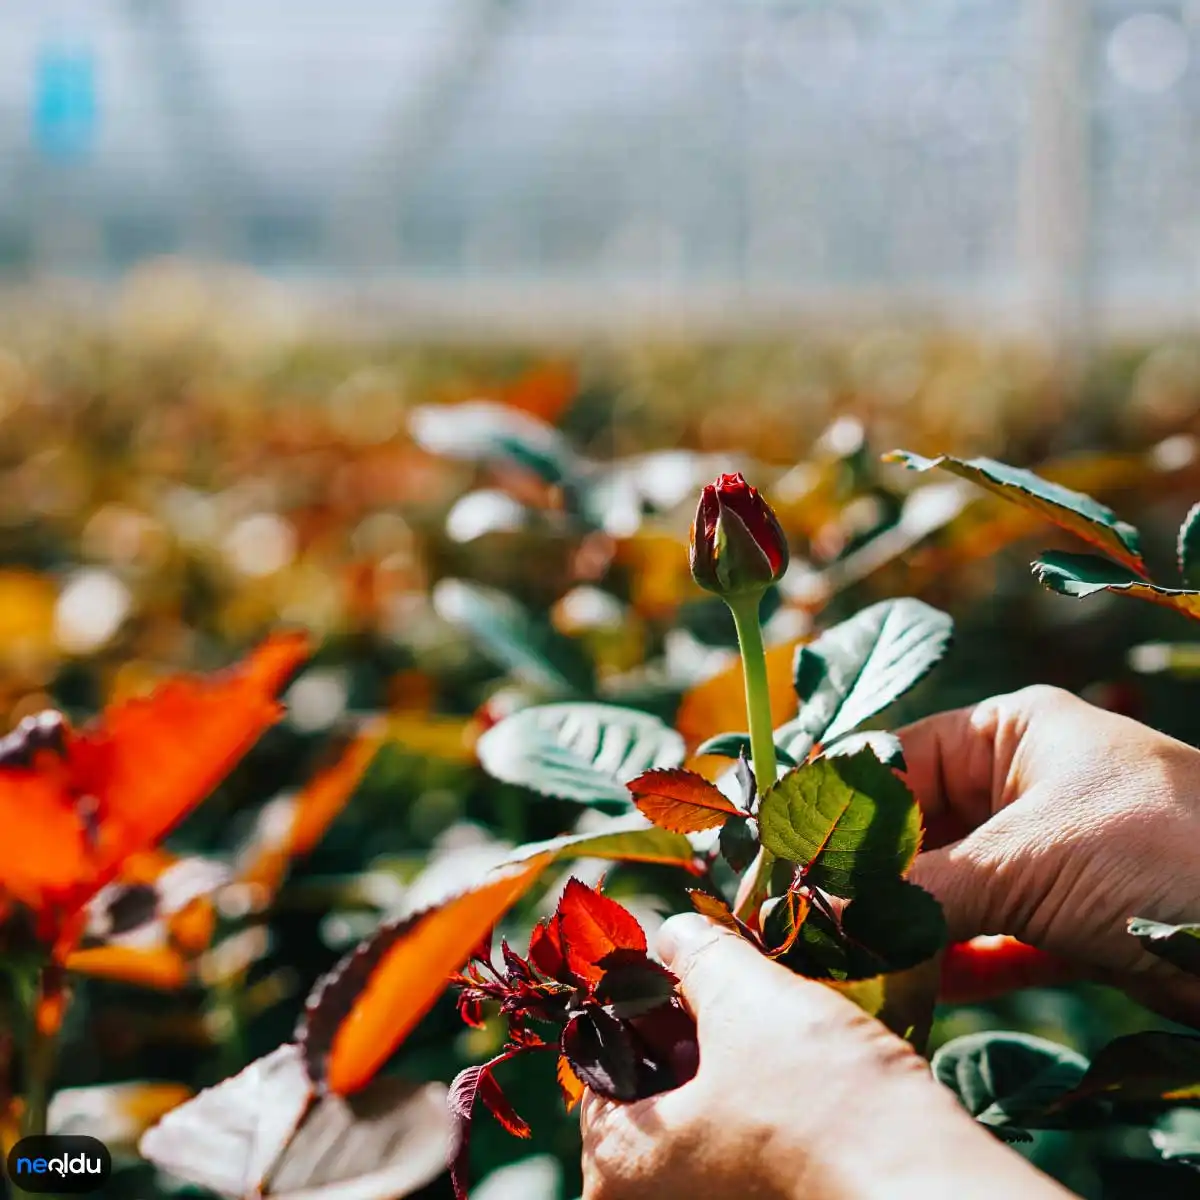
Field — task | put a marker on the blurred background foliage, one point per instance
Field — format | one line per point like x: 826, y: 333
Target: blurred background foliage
x: 421, y: 325
x: 469, y: 528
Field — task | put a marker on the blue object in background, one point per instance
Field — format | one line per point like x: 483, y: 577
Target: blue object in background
x: 64, y: 102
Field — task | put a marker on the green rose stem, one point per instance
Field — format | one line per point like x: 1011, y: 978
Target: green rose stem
x: 762, y: 733
x: 40, y: 1059
x: 40, y: 1050
x: 737, y: 550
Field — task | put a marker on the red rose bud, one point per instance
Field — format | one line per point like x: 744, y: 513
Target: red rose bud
x: 737, y: 543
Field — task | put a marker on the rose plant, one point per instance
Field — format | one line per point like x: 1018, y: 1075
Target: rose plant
x: 796, y: 834
x: 801, y: 842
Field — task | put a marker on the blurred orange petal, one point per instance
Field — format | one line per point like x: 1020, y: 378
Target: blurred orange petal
x: 191, y: 929
x: 161, y: 967
x: 327, y: 792
x: 310, y: 813
x: 152, y: 760
x: 45, y: 860
x: 718, y: 705
x: 431, y: 736
x: 76, y: 807
x: 660, y: 577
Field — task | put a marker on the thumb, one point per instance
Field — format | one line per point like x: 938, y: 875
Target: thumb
x: 727, y: 982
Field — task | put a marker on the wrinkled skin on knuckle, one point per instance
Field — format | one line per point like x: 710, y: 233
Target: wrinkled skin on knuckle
x: 1105, y: 814
x: 1040, y: 698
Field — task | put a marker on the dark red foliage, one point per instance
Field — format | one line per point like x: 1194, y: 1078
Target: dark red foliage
x: 602, y: 1005
x: 478, y: 1083
x: 546, y: 951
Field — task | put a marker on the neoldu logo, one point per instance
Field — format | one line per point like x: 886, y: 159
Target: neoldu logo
x: 59, y: 1163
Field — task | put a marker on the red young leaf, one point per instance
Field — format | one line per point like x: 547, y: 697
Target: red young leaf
x: 592, y: 927
x: 633, y: 985
x: 681, y: 800
x: 461, y: 1102
x: 669, y: 1034
x: 491, y: 1093
x: 714, y: 909
x: 463, y: 1090
x: 601, y: 1051
x: 545, y: 949
x: 468, y: 1086
x: 793, y: 909
x: 572, y: 1086
x: 471, y: 1011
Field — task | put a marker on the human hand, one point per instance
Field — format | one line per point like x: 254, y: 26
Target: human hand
x: 799, y: 1093
x: 1054, y: 821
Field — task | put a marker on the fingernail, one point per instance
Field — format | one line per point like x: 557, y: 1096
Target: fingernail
x: 680, y: 936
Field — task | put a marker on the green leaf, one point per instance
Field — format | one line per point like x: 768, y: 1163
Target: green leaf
x: 737, y: 745
x: 726, y: 745
x: 820, y: 951
x: 1011, y: 1135
x: 1176, y: 1136
x: 899, y: 922
x: 1007, y: 1079
x: 1188, y: 548
x: 1083, y: 575
x: 1079, y: 514
x: 848, y: 819
x: 909, y: 1000
x: 889, y: 927
x: 482, y: 431
x: 521, y: 641
x: 622, y: 839
x: 1143, y: 1068
x: 886, y: 747
x: 582, y: 752
x: 738, y: 844
x: 1178, y: 944
x: 859, y: 667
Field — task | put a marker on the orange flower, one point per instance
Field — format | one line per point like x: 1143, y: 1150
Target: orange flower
x: 75, y: 804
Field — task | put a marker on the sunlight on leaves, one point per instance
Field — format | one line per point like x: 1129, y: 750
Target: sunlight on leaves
x: 1083, y: 575
x: 681, y: 801
x: 1073, y: 511
x: 859, y: 667
x: 848, y: 820
x: 368, y: 1004
x: 581, y: 752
